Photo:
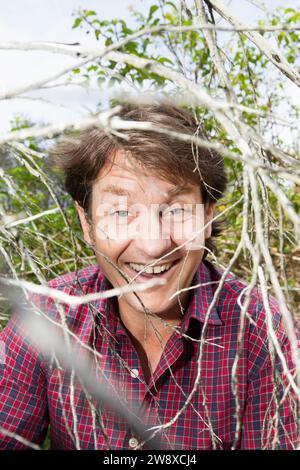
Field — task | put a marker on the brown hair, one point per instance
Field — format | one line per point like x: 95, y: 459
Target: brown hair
x: 171, y: 158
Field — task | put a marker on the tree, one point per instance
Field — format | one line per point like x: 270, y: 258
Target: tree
x: 236, y: 89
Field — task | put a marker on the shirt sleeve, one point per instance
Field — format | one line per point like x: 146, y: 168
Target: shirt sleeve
x: 23, y: 392
x: 270, y: 419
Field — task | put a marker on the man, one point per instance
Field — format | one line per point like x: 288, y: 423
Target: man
x: 182, y: 355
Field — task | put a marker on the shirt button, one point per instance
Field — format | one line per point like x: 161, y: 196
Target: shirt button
x: 134, y: 373
x: 133, y: 442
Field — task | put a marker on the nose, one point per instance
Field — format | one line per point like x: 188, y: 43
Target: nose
x: 153, y: 238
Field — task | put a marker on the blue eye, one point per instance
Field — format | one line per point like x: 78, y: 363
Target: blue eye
x: 177, y: 210
x: 121, y: 213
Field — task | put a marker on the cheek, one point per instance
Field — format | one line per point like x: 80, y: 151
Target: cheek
x: 107, y: 250
x: 107, y: 243
x: 110, y: 229
x: 111, y: 248
x: 190, y: 233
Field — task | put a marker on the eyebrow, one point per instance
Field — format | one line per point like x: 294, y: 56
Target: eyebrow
x: 119, y: 191
x: 113, y: 189
x: 178, y: 190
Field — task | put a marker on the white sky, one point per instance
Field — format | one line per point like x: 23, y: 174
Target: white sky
x: 44, y: 20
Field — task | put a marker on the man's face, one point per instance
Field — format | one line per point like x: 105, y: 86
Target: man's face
x: 139, y: 219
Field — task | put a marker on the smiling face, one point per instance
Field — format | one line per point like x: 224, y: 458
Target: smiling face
x: 137, y: 220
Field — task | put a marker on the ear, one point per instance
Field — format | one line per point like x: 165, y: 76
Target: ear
x: 86, y: 228
x: 209, y: 214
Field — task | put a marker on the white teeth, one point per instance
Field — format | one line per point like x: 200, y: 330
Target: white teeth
x: 149, y: 269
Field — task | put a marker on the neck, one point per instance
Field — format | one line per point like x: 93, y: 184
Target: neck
x: 151, y: 327
x: 150, y: 333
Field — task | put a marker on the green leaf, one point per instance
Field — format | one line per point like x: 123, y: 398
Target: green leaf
x: 163, y: 60
x: 113, y: 81
x: 76, y: 23
x: 295, y: 18
x: 100, y: 80
x: 112, y: 64
x: 169, y: 17
x: 100, y: 23
x: 131, y: 47
x: 125, y: 30
x: 92, y: 68
x: 90, y: 13
x: 155, y: 22
x: 152, y: 10
x: 172, y: 5
x: 289, y: 10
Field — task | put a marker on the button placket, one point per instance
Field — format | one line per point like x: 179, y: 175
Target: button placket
x: 133, y: 442
x: 134, y: 373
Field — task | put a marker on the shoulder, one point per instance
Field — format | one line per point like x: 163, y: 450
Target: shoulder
x: 88, y: 280
x: 16, y: 340
x: 237, y: 295
x: 241, y: 305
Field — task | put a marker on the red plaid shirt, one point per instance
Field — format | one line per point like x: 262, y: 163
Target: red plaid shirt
x: 35, y: 392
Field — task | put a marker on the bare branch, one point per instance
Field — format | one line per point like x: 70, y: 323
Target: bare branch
x: 272, y: 53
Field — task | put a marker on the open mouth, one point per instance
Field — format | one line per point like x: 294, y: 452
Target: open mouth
x: 159, y: 271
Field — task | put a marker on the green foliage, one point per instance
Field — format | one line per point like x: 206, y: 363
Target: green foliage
x: 187, y: 53
x: 49, y: 240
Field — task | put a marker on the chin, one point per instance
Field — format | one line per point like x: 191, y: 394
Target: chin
x: 154, y: 307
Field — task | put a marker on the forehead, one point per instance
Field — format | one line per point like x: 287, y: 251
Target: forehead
x: 127, y: 173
